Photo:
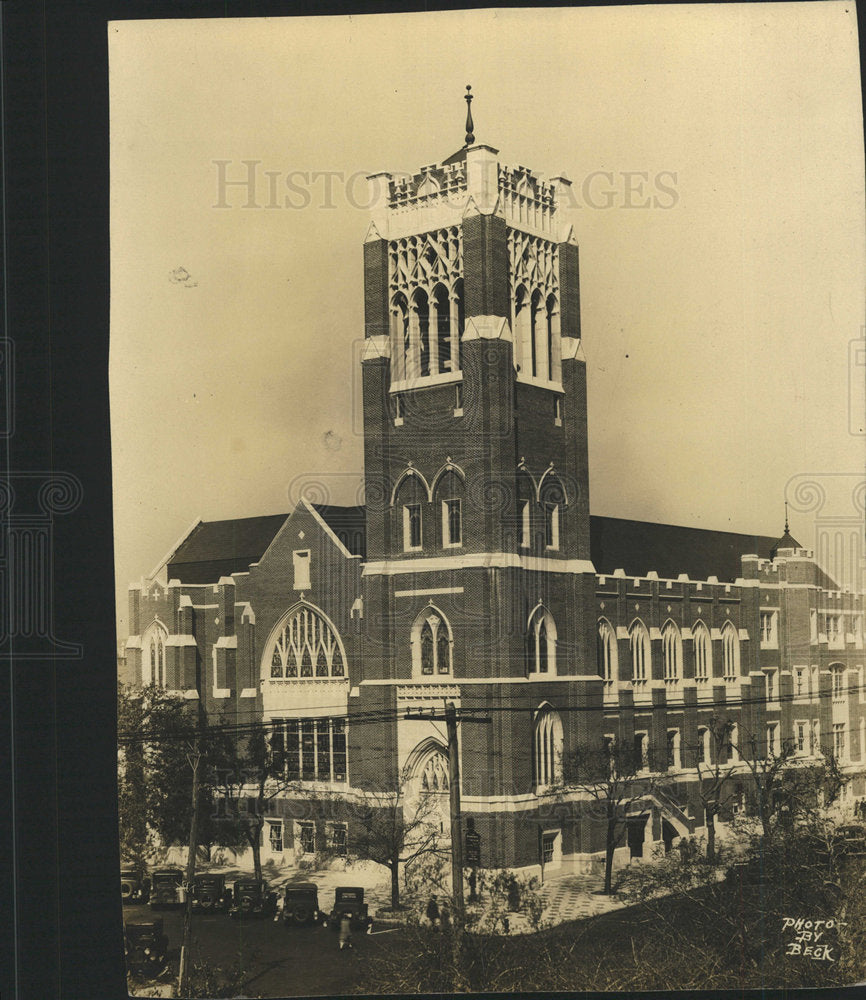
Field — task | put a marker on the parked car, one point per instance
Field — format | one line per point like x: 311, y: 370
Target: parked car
x: 850, y: 841
x: 350, y: 900
x: 301, y: 904
x: 210, y: 893
x: 134, y: 884
x: 146, y: 947
x: 165, y: 887
x: 252, y: 897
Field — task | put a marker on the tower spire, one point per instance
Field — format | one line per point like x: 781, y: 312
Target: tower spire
x: 470, y: 137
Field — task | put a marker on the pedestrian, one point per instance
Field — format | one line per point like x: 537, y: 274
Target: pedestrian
x: 445, y: 918
x: 433, y: 913
x: 345, y: 931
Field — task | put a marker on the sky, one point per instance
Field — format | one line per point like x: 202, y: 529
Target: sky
x: 716, y: 155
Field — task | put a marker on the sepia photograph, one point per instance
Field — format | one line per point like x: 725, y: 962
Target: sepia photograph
x: 488, y: 460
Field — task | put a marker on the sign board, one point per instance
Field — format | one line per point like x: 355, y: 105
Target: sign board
x: 473, y: 848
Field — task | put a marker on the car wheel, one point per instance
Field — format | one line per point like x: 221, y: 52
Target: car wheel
x: 301, y: 914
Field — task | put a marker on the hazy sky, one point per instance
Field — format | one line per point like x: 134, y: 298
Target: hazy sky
x: 718, y: 320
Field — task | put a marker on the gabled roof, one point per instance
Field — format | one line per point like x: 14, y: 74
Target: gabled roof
x: 640, y: 546
x: 219, y: 548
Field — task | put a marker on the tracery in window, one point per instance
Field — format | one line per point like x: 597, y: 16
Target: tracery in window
x: 153, y: 655
x: 547, y: 747
x: 541, y: 642
x: 639, y: 647
x: 703, y: 652
x: 672, y: 650
x: 730, y: 652
x: 431, y: 644
x: 607, y: 652
x: 305, y: 645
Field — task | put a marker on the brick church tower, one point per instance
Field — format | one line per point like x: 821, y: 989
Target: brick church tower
x: 478, y: 584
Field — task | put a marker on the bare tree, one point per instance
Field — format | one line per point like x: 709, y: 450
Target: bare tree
x: 394, y: 828
x: 616, y: 776
x: 713, y: 774
x: 250, y: 774
x: 766, y: 766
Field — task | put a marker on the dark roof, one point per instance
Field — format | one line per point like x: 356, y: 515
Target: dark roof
x: 640, y: 546
x: 786, y: 542
x: 219, y: 548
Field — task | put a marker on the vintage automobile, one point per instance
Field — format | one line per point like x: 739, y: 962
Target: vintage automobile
x: 850, y: 841
x: 146, y: 947
x: 350, y: 900
x: 251, y: 897
x: 210, y: 893
x: 301, y: 904
x: 165, y: 887
x: 134, y: 884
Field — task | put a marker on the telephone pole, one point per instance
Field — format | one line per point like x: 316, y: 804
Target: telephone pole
x: 451, y: 716
x: 194, y: 760
x: 456, y: 822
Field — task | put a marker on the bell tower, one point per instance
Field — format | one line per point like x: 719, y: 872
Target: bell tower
x: 472, y: 365
x: 478, y: 585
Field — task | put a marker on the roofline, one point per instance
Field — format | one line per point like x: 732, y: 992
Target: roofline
x: 328, y: 529
x: 167, y: 557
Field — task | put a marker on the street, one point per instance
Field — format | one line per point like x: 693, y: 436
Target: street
x: 278, y: 960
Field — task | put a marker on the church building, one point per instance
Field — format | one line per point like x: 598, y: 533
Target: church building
x: 475, y: 573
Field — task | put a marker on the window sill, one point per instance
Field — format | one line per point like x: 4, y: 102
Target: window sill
x: 426, y: 381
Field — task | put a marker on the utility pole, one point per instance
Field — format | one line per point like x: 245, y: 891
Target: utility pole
x: 194, y: 760
x: 451, y: 716
x: 456, y: 822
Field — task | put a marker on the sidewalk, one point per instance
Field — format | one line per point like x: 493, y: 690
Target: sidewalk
x: 568, y: 896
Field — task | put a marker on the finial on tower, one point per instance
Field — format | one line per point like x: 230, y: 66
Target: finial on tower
x: 470, y: 138
x: 786, y: 517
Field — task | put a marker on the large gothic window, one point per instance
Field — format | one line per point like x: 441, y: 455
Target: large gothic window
x: 431, y: 644
x: 541, y: 642
x: 547, y: 747
x: 434, y: 773
x: 427, y: 310
x: 305, y: 645
x: 153, y: 655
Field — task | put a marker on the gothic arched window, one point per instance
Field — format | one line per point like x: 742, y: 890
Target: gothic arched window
x: 153, y: 655
x: 441, y: 309
x: 552, y: 323
x: 434, y: 773
x: 305, y: 644
x: 421, y: 318
x: 538, y: 334
x: 608, y: 660
x: 541, y: 642
x: 401, y: 343
x: 547, y: 747
x: 730, y: 652
x: 431, y: 644
x: 672, y: 649
x: 639, y: 647
x: 703, y: 652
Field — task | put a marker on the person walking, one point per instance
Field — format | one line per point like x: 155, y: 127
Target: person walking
x: 433, y: 913
x: 345, y: 931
